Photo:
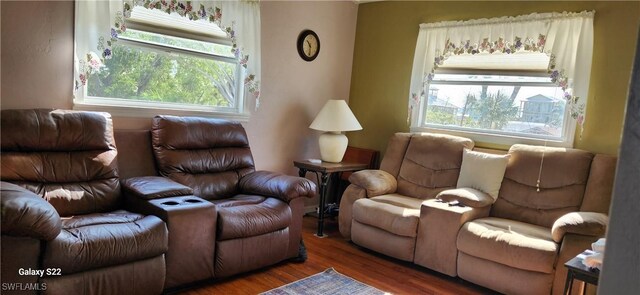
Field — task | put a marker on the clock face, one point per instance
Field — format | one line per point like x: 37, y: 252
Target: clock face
x: 308, y: 45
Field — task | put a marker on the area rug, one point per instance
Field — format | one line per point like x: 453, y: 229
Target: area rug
x: 327, y: 282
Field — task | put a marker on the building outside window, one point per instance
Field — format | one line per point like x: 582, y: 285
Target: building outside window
x: 516, y: 105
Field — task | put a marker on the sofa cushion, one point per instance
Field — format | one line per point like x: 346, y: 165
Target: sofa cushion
x: 244, y: 216
x: 394, y: 213
x: 208, y: 155
x: 66, y: 157
x: 562, y: 184
x: 431, y: 164
x: 512, y: 243
x: 104, y: 239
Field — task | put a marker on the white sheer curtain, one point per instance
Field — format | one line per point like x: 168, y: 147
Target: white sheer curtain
x: 98, y: 24
x: 566, y: 37
x: 244, y: 18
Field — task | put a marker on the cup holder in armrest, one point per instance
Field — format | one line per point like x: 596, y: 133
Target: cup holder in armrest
x: 193, y: 201
x: 179, y: 202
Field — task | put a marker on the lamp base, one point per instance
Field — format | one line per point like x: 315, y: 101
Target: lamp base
x: 333, y: 145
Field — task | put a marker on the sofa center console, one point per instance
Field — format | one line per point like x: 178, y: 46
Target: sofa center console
x: 439, y: 225
x: 189, y: 259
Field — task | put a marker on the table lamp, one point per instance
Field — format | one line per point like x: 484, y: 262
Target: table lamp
x: 334, y: 118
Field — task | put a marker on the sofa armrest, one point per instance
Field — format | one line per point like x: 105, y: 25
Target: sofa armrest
x: 25, y: 214
x: 375, y: 182
x: 466, y: 196
x: 582, y: 223
x: 154, y: 187
x: 277, y: 185
x: 438, y: 234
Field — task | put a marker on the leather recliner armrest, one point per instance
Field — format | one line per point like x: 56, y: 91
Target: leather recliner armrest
x: 26, y: 214
x: 154, y: 187
x: 582, y: 223
x: 277, y: 185
x: 375, y: 182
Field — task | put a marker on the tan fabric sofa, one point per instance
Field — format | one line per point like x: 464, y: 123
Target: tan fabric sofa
x: 381, y: 209
x: 517, y: 245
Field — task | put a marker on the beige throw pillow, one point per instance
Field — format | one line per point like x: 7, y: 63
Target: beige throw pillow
x: 482, y: 171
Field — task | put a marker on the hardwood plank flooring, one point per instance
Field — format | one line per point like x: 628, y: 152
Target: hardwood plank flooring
x: 385, y: 273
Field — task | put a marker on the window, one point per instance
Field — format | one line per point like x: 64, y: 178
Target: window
x: 487, y: 95
x: 503, y: 80
x: 516, y: 105
x: 176, y: 59
x: 149, y: 67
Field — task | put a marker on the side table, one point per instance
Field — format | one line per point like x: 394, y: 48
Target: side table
x: 325, y: 169
x: 578, y: 271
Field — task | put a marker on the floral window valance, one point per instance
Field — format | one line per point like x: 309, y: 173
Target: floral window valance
x: 102, y: 22
x: 567, y: 38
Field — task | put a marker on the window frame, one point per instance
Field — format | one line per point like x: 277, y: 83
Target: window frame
x: 121, y: 107
x: 495, y: 136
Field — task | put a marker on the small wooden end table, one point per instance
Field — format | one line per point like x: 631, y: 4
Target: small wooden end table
x: 578, y: 271
x: 325, y: 169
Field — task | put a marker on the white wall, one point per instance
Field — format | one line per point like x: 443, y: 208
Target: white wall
x: 294, y: 90
x: 37, y: 55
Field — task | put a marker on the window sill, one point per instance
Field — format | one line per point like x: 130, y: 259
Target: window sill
x: 151, y: 111
x: 507, y: 140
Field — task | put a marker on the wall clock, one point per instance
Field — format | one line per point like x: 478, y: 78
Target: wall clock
x: 308, y: 45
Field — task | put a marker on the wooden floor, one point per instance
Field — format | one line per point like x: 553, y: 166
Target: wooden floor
x: 377, y: 270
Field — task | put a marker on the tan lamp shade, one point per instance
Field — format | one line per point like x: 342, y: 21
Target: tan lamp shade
x: 334, y: 118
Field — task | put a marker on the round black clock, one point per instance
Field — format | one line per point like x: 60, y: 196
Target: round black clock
x: 308, y: 45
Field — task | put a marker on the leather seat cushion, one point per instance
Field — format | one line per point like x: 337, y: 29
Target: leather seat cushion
x: 103, y: 239
x: 244, y: 216
x: 393, y: 213
x: 512, y: 243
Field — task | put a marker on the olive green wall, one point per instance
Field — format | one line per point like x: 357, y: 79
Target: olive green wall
x: 386, y: 35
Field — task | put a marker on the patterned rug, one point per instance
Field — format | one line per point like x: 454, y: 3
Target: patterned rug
x: 327, y: 282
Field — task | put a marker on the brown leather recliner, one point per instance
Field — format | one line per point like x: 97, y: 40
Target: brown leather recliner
x: 78, y: 236
x: 259, y: 213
